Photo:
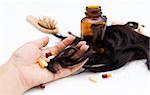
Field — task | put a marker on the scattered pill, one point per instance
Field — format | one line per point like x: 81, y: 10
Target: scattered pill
x: 143, y: 25
x: 106, y: 75
x: 42, y: 86
x: 42, y: 63
x: 69, y: 33
x: 92, y: 79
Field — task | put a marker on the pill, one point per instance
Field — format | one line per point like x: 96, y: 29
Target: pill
x: 42, y: 63
x: 49, y: 58
x: 53, y: 53
x: 106, y: 75
x: 42, y: 86
x: 48, y: 54
x: 92, y: 79
x: 69, y: 33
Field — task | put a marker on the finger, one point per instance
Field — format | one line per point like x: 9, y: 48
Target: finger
x: 82, y: 50
x: 40, y: 43
x: 80, y: 44
x: 63, y: 44
x: 57, y: 67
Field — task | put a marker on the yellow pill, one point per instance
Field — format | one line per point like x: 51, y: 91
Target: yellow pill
x: 92, y: 79
x: 47, y: 59
x: 53, y: 53
x: 42, y: 63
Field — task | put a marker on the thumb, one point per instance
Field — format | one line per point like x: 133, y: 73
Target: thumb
x: 40, y: 43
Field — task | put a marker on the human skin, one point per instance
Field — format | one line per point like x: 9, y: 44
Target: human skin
x: 21, y: 72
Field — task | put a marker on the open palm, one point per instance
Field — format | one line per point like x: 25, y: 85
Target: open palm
x: 31, y: 74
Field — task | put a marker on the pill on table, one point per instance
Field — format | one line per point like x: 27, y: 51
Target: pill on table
x: 92, y: 79
x: 69, y: 33
x: 106, y: 75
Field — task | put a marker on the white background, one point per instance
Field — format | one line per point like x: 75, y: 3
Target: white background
x: 133, y: 79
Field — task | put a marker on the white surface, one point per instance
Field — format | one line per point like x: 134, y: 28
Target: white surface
x: 133, y: 79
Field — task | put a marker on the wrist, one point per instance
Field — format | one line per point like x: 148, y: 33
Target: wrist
x: 10, y: 81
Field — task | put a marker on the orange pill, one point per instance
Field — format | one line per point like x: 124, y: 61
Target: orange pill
x: 109, y: 75
x: 42, y: 63
x: 106, y: 76
x: 53, y: 53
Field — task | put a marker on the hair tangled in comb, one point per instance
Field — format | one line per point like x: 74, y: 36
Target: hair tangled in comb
x: 120, y: 45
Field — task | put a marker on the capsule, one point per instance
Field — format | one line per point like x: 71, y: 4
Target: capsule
x: 48, y: 54
x: 42, y: 86
x: 106, y: 76
x: 53, y: 53
x: 42, y: 63
x: 92, y: 79
x: 69, y: 33
x: 49, y: 58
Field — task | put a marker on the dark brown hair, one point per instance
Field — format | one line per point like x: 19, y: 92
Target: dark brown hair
x: 121, y: 44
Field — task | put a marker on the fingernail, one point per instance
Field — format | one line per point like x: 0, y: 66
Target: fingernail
x: 87, y: 46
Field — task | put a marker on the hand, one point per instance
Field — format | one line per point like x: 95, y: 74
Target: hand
x: 28, y: 73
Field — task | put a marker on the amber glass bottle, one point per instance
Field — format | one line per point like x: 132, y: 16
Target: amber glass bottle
x: 93, y: 25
